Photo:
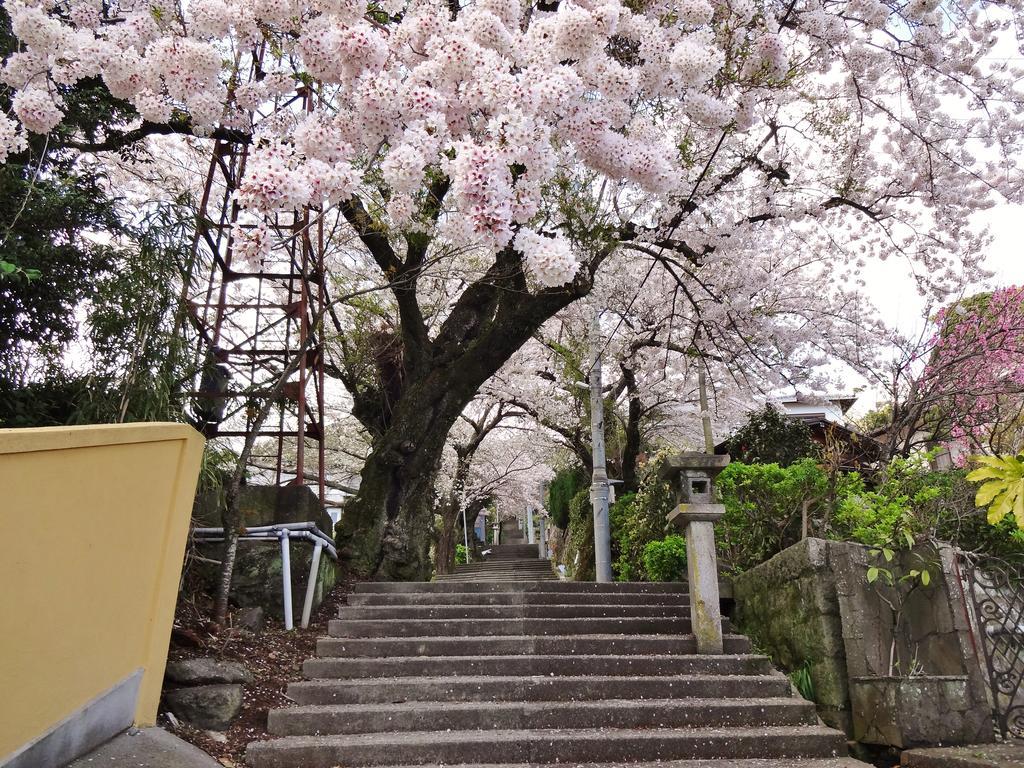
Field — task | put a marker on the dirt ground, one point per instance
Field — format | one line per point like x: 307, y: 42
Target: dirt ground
x: 273, y: 656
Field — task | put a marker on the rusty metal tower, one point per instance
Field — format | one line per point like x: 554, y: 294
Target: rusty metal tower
x: 255, y: 322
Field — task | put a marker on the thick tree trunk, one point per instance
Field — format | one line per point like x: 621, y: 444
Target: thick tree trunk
x: 386, y: 528
x: 633, y: 438
x: 444, y: 553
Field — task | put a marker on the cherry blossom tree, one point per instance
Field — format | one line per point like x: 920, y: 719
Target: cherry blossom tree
x: 480, y: 464
x: 490, y: 158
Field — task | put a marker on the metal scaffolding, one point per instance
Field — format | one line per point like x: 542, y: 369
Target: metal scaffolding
x: 254, y: 322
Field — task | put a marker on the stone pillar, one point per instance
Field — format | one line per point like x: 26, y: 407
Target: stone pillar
x: 530, y: 539
x: 693, y: 475
x: 543, y: 538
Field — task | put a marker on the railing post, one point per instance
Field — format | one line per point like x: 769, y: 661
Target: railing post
x: 530, y: 538
x: 286, y: 579
x: 694, y: 475
x: 543, y: 538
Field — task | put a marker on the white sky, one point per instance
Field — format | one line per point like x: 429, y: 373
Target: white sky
x: 900, y: 306
x: 894, y: 293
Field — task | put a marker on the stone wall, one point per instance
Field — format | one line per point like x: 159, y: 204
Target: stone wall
x: 812, y: 605
x: 789, y: 608
x: 258, y: 580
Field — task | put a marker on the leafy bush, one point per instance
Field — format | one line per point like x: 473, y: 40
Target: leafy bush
x: 769, y: 437
x: 616, y: 519
x: 665, y: 560
x: 764, y: 507
x: 579, y: 547
x: 460, y: 554
x: 1002, y: 489
x: 641, y: 521
x: 567, y: 482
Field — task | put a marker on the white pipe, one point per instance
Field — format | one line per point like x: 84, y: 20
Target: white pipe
x: 314, y: 573
x: 259, y: 528
x: 543, y: 539
x: 465, y: 533
x: 530, y: 538
x: 273, y: 536
x: 286, y: 579
x: 268, y: 529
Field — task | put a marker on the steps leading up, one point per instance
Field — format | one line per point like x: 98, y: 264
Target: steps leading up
x: 511, y: 560
x: 483, y: 668
x: 546, y: 746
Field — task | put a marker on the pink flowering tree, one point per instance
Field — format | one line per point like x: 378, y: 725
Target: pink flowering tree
x: 489, y: 158
x: 961, y: 383
x: 974, y: 380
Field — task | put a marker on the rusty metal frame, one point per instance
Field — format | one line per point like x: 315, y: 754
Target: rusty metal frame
x: 255, y: 338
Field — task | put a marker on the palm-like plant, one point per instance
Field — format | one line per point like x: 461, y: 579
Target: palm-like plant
x: 1002, y: 488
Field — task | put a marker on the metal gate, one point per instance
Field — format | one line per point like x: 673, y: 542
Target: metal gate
x: 994, y: 596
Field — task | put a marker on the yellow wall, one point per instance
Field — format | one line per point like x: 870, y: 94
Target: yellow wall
x: 93, y: 526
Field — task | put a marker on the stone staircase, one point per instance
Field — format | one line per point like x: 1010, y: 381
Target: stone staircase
x: 466, y: 673
x: 512, y: 560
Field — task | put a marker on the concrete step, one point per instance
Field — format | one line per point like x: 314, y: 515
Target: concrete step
x: 525, y: 567
x: 507, y: 560
x: 419, y: 748
x: 834, y: 762
x: 476, y: 627
x: 516, y: 576
x: 567, y: 587
x: 516, y: 598
x: 554, y: 666
x: 606, y: 713
x: 514, y: 645
x: 511, y: 549
x: 552, y: 611
x: 494, y: 577
x: 538, y: 688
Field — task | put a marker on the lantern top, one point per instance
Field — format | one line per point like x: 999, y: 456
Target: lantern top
x: 694, y: 461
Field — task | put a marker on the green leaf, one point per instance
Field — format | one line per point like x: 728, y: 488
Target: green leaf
x: 988, y: 491
x: 7, y: 268
x: 926, y: 578
x: 999, y: 508
x: 889, y: 554
x: 991, y: 461
x: 872, y: 575
x: 984, y: 473
x: 909, y: 537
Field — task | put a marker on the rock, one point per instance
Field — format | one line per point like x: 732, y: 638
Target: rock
x: 203, y: 671
x: 206, y: 706
x: 250, y: 619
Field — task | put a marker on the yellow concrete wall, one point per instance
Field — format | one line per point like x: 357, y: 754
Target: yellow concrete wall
x: 93, y: 526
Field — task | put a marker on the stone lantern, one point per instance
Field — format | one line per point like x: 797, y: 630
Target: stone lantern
x: 693, y: 477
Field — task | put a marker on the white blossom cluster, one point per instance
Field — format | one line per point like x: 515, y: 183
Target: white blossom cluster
x: 550, y: 259
x: 657, y: 106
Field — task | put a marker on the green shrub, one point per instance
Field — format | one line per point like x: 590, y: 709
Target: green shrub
x: 616, y: 520
x: 665, y: 560
x: 641, y: 520
x: 460, y: 554
x: 567, y: 482
x: 579, y: 546
x: 770, y: 437
x: 764, y: 506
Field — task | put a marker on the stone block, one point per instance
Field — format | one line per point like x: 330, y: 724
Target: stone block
x: 204, y: 670
x: 206, y: 706
x: 266, y: 505
x: 258, y: 581
x: 911, y: 711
